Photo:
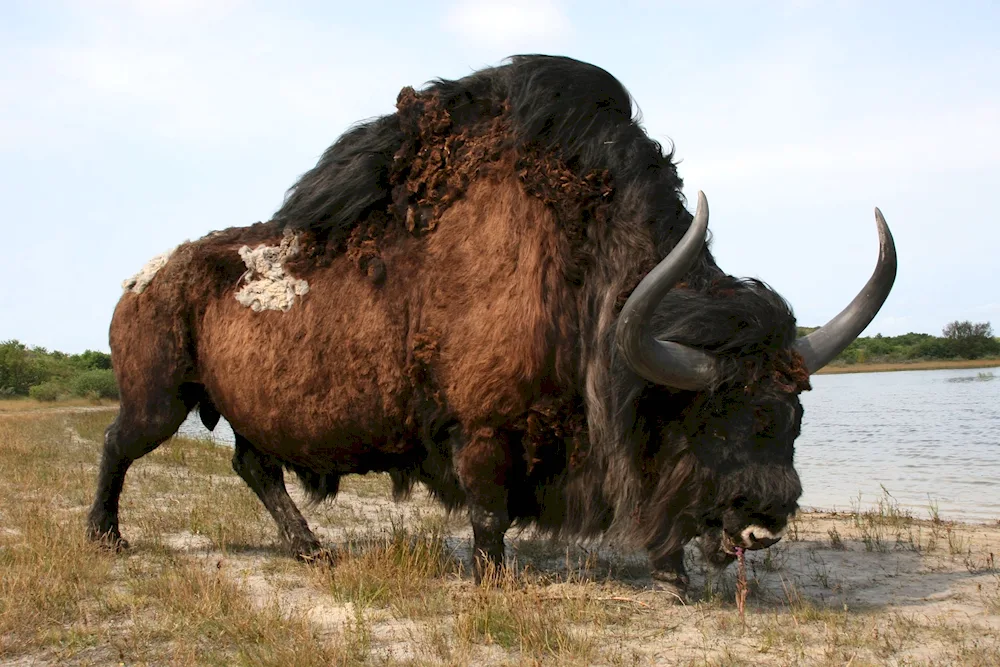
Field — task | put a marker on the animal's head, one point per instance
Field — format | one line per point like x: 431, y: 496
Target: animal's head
x: 723, y: 460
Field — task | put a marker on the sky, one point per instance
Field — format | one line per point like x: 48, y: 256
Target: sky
x: 129, y: 127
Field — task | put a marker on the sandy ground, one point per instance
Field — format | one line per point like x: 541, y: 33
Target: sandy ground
x: 871, y: 587
x: 815, y: 599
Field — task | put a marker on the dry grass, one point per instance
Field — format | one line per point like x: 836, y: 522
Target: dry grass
x: 63, y: 599
x: 910, y: 366
x: 518, y: 612
x: 207, y: 583
x: 9, y: 405
x: 398, y: 570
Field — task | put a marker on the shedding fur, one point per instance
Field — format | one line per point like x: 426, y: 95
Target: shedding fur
x: 267, y: 286
x: 140, y: 281
x: 466, y: 258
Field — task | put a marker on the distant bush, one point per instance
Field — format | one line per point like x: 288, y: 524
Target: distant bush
x: 961, y: 340
x: 18, y: 371
x: 97, y: 383
x: 932, y: 348
x: 37, y: 372
x: 46, y: 391
x: 971, y: 340
x: 91, y: 360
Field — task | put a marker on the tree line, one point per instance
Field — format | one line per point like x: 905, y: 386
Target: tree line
x: 47, y: 376
x: 958, y: 340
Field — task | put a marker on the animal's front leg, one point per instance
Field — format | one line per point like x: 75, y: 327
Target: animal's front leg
x: 482, y: 463
x: 489, y: 524
x: 670, y: 575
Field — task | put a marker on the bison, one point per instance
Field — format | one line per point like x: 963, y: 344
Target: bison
x: 497, y: 292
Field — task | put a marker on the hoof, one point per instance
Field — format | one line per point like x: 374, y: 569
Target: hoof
x: 316, y: 555
x: 111, y: 540
x: 487, y: 578
x: 675, y: 586
x: 487, y: 571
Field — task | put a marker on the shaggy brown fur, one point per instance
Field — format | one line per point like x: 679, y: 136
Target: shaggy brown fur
x: 350, y: 356
x: 466, y: 261
x: 437, y: 161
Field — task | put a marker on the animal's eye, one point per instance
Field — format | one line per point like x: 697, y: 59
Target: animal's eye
x: 763, y: 423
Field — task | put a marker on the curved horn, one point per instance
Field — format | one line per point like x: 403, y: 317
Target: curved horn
x: 821, y: 346
x: 665, y: 362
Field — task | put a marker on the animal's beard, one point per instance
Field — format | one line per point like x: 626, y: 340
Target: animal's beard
x: 716, y: 548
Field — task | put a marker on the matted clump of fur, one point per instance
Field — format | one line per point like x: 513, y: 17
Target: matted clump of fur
x: 267, y: 286
x: 140, y: 281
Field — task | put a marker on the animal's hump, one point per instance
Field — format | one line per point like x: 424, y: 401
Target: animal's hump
x: 559, y: 119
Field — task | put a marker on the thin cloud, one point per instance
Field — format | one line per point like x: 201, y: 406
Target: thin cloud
x: 186, y: 11
x: 160, y: 78
x: 507, y: 23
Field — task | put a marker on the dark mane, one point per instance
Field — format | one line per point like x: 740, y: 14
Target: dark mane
x: 552, y: 108
x: 350, y: 180
x: 742, y: 320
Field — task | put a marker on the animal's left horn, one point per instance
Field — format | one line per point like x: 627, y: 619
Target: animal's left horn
x: 665, y: 362
x: 823, y: 345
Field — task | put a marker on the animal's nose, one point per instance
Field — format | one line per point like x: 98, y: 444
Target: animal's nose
x: 758, y: 537
x: 754, y: 542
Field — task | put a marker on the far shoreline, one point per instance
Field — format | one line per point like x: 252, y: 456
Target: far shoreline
x: 25, y: 404
x: 887, y: 367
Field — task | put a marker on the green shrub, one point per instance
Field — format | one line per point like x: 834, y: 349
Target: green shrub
x: 971, y: 340
x: 23, y: 367
x: 46, y: 391
x: 98, y: 383
x: 90, y: 360
x: 17, y: 372
x: 933, y: 348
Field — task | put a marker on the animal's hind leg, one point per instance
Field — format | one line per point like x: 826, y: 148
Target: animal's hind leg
x: 265, y: 476
x: 133, y: 434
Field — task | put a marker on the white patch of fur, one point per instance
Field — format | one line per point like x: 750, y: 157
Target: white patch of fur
x: 267, y: 286
x: 140, y: 281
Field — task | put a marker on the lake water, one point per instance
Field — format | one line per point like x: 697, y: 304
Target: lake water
x: 919, y: 434
x: 923, y: 435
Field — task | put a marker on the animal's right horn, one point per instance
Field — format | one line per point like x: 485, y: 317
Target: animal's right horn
x: 666, y: 362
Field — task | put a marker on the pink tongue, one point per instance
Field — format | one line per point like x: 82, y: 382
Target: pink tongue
x: 739, y: 552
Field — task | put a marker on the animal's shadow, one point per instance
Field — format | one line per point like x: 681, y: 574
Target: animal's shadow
x: 792, y: 573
